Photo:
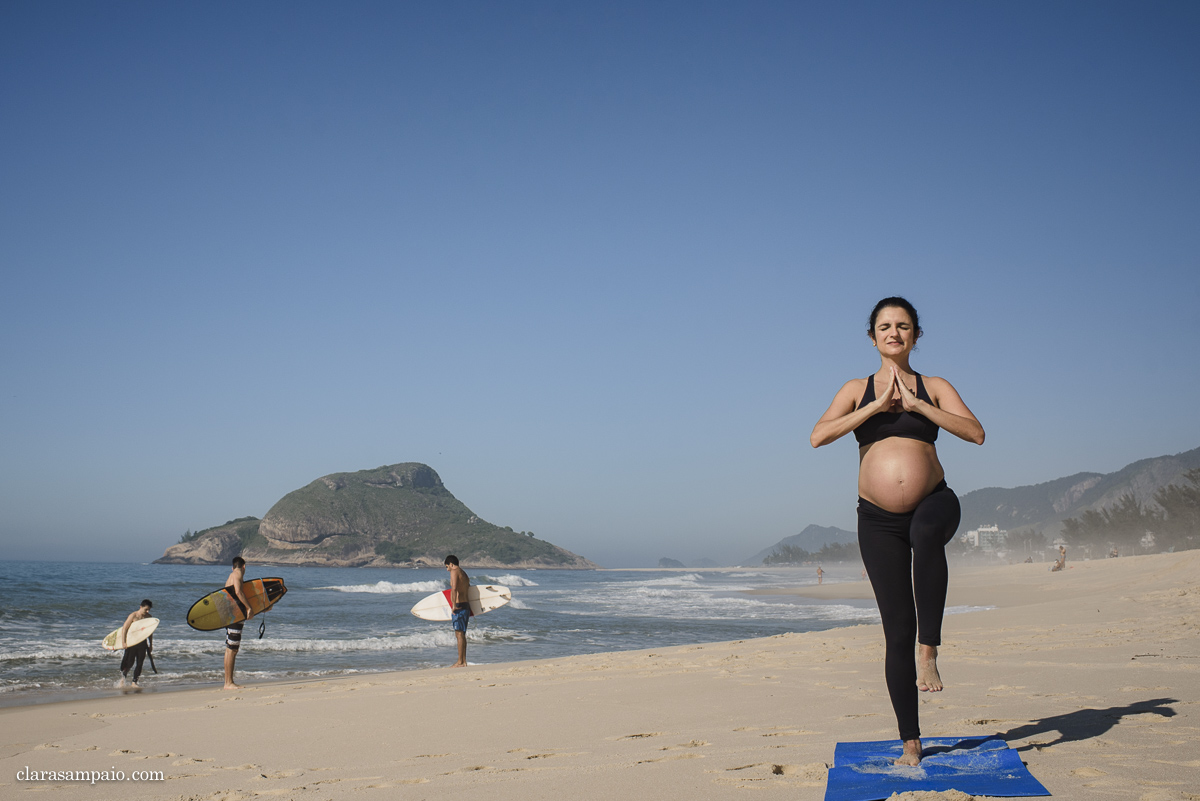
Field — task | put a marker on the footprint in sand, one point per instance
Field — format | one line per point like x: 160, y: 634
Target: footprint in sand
x: 1088, y: 773
x: 391, y: 784
x: 690, y: 744
x: 1004, y: 688
x: 814, y: 772
x: 670, y: 758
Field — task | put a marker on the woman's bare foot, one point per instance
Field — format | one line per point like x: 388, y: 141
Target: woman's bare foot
x: 232, y: 686
x: 928, y: 678
x: 912, y: 753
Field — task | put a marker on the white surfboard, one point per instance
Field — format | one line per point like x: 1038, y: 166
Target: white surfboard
x: 482, y: 597
x: 138, y: 631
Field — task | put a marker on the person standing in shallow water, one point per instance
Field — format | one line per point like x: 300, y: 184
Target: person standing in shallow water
x: 906, y: 513
x: 460, y: 582
x: 135, y: 655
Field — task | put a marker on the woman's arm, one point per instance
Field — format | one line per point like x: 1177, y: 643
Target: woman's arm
x: 947, y: 410
x: 841, y: 417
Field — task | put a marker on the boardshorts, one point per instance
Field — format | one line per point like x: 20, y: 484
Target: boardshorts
x: 459, y: 618
x: 233, y: 636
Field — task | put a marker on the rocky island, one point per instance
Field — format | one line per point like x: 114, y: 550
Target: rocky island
x: 398, y: 515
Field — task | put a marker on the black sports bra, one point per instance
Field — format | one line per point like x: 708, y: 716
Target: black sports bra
x: 910, y: 425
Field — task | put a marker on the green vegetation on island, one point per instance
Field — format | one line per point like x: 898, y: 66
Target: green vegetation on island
x: 246, y: 529
x: 393, y: 515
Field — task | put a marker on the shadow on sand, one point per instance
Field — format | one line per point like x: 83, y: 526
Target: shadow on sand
x: 1085, y: 724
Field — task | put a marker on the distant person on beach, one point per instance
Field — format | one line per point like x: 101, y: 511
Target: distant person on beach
x: 906, y: 513
x: 1062, y: 555
x: 135, y: 655
x: 820, y: 574
x: 460, y: 582
x: 233, y: 632
x: 1114, y: 553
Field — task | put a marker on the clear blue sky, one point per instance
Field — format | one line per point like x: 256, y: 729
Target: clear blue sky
x: 601, y: 265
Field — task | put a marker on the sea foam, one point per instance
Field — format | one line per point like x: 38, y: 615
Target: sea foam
x: 507, y: 581
x: 388, y: 588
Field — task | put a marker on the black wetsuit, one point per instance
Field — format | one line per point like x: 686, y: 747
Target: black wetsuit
x: 902, y: 552
x: 135, y: 653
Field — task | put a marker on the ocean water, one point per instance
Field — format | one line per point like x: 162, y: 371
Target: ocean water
x: 342, y: 621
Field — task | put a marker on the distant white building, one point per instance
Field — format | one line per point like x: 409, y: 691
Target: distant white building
x: 989, y: 538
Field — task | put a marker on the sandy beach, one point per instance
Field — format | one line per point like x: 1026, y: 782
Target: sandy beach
x: 1092, y: 674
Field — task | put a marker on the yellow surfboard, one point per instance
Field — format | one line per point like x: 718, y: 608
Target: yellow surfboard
x: 220, y: 609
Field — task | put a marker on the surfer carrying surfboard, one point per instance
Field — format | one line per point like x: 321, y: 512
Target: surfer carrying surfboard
x: 233, y: 632
x: 460, y: 582
x: 135, y: 654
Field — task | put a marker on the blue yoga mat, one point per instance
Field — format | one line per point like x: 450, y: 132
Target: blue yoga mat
x: 973, y: 765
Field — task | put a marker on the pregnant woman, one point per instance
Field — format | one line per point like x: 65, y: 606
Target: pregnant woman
x: 906, y: 513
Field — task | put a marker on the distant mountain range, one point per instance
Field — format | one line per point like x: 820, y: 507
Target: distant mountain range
x: 810, y: 539
x: 1037, y: 507
x: 396, y: 515
x: 1042, y: 507
x: 701, y: 561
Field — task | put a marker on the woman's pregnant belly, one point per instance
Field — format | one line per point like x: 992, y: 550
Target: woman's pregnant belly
x: 897, y: 473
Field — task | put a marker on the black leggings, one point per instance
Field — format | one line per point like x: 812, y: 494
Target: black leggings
x: 900, y: 551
